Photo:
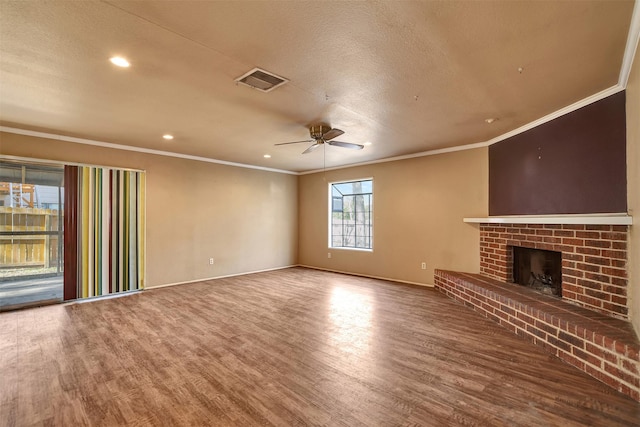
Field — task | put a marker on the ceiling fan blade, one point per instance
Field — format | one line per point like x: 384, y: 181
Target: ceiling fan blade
x: 346, y: 145
x: 295, y: 142
x: 313, y: 147
x: 332, y: 133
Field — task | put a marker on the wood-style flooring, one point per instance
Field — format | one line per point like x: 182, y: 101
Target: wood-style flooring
x: 292, y: 347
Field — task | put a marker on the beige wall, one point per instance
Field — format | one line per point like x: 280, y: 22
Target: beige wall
x: 246, y: 219
x: 633, y: 189
x: 418, y: 209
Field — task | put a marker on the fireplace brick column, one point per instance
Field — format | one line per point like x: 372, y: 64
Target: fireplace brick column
x: 594, y: 259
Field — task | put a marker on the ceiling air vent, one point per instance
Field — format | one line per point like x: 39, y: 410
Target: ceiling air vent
x: 262, y: 80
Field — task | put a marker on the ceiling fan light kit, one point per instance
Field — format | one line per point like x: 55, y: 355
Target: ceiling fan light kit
x: 321, y: 134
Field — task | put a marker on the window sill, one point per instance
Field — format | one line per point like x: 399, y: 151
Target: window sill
x: 339, y: 248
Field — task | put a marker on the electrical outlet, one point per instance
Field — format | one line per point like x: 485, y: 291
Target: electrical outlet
x: 328, y: 254
x: 210, y: 261
x: 424, y: 266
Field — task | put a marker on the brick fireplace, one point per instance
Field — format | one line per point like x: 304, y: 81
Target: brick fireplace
x: 594, y: 258
x: 587, y: 326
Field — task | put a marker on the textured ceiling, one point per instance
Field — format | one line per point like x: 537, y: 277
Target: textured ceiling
x: 406, y: 76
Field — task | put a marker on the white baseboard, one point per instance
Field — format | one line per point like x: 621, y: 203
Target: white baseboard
x: 218, y: 277
x: 426, y: 285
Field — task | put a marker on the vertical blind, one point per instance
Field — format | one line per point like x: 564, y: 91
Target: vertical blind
x: 104, y: 231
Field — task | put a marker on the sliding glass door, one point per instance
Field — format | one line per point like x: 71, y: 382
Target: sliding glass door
x: 31, y: 234
x: 69, y: 232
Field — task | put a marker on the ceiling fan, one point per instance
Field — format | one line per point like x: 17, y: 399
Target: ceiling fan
x: 321, y: 134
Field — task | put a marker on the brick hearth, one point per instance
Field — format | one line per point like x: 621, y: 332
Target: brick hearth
x: 594, y: 257
x: 602, y: 346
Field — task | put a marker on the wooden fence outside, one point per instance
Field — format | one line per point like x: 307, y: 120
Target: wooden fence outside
x: 19, y: 251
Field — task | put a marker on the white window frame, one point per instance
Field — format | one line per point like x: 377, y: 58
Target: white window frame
x: 329, y: 215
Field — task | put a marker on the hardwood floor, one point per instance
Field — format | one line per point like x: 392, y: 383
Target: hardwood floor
x: 289, y: 347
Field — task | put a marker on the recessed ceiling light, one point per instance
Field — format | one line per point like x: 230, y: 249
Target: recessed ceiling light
x: 368, y: 143
x: 119, y: 61
x: 267, y: 156
x: 490, y: 120
x: 167, y: 136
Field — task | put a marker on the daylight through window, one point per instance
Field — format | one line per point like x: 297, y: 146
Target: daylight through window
x: 351, y: 214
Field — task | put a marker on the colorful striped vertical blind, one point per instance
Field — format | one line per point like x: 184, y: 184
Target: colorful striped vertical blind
x: 107, y: 226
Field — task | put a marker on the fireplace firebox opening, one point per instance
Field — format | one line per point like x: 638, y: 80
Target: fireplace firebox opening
x: 538, y: 269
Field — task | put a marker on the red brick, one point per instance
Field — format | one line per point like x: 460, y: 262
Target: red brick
x: 614, y: 236
x: 616, y: 299
x: 614, y: 272
x: 535, y: 331
x: 596, y: 351
x: 589, y: 251
x: 545, y: 327
x: 572, y: 257
x: 613, y: 308
x: 587, y: 357
x: 598, y: 243
x: 588, y: 234
x: 613, y: 254
x: 612, y: 289
x: 573, y: 227
x: 588, y: 267
x: 619, y: 245
x: 598, y: 338
x: 544, y: 232
x: 596, y: 294
x: 525, y: 318
x: 589, y: 300
x: 619, y: 281
x: 598, y: 227
x: 631, y: 379
x: 571, y: 339
x: 558, y: 343
x: 552, y: 240
x: 572, y: 241
x: 619, y: 228
x: 618, y: 263
x: 597, y: 277
x: 597, y: 260
x: 589, y: 284
x: 572, y: 272
x: 571, y: 360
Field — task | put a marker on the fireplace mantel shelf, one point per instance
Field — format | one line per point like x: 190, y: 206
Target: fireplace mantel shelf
x: 598, y: 219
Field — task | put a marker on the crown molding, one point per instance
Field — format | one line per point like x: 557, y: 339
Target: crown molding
x: 633, y: 37
x: 405, y: 157
x: 558, y: 113
x: 111, y: 145
x: 561, y: 112
x: 632, y: 45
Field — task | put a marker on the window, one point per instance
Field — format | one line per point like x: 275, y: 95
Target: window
x: 351, y: 214
x: 31, y: 233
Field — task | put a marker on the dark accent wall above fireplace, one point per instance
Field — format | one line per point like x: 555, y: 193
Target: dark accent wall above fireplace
x: 575, y: 164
